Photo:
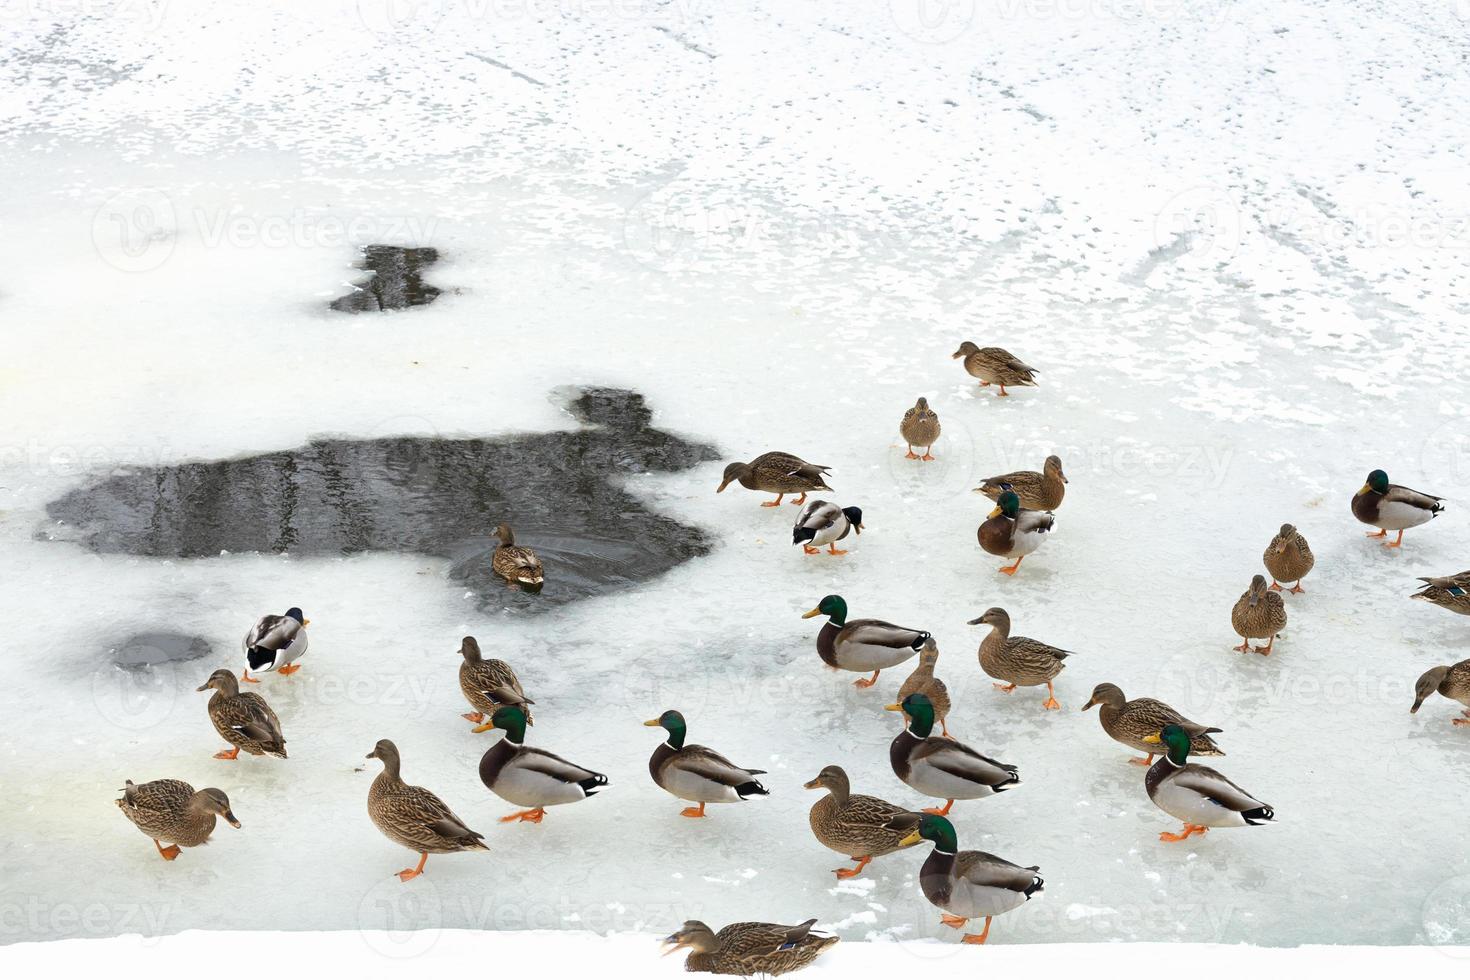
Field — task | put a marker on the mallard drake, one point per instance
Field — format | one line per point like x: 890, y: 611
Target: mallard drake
x: 863, y: 644
x: 486, y: 683
x: 778, y: 473
x: 517, y: 564
x: 275, y: 643
x: 243, y: 720
x: 414, y: 817
x: 1018, y: 660
x: 1288, y: 558
x: 747, y: 949
x: 1450, y: 592
x: 1131, y: 722
x: 696, y: 773
x: 172, y: 810
x: 1453, y: 682
x: 1034, y: 491
x: 995, y: 366
x: 920, y: 427
x: 530, y: 777
x: 922, y: 681
x: 1390, y: 507
x: 820, y: 523
x: 943, y: 767
x: 1196, y: 794
x: 1258, y: 613
x: 863, y: 827
x: 968, y: 884
x: 1010, y: 532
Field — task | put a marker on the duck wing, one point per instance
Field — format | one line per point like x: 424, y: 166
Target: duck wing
x: 988, y: 871
x: 706, y: 763
x: 1214, y: 787
x: 1404, y: 495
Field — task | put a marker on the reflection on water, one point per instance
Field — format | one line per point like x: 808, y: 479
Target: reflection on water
x: 423, y: 495
x: 396, y: 282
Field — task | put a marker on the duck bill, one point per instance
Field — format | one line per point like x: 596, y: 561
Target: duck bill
x: 202, y: 687
x: 957, y: 355
x: 722, y: 486
x: 1364, y: 489
x: 482, y: 728
x: 651, y: 723
x: 673, y: 944
x: 805, y: 615
x: 1089, y: 704
x: 893, y: 707
x: 814, y: 784
x: 995, y: 513
x: 912, y: 839
x: 232, y: 821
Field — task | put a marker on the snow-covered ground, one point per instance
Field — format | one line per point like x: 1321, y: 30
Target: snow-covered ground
x: 1233, y: 238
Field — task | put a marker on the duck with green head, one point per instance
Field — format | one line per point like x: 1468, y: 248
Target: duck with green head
x: 530, y: 777
x: 697, y: 773
x: 943, y: 767
x: 1390, y: 507
x: 1010, y: 532
x: 862, y: 645
x: 966, y: 885
x: 1196, y: 794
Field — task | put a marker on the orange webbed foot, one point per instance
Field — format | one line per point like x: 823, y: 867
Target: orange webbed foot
x: 1142, y: 762
x: 1008, y: 688
x: 228, y: 753
x: 940, y: 811
x: 1274, y: 587
x: 473, y: 716
x: 810, y: 550
x: 833, y: 550
x: 865, y: 682
x: 1460, y: 721
x: 408, y: 874
x: 1243, y: 648
x: 927, y: 458
x: 1297, y: 589
x: 911, y: 454
x: 1051, y: 704
x: 692, y: 811
x: 248, y: 679
x: 1377, y: 534
x: 526, y: 816
x: 167, y: 853
x: 953, y: 921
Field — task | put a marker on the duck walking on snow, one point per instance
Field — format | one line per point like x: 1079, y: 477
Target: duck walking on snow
x: 920, y: 427
x: 1288, y: 558
x: 696, y: 773
x: 966, y: 885
x: 414, y: 817
x: 1258, y: 613
x: 242, y: 718
x: 1196, y: 794
x: 275, y: 643
x: 821, y: 523
x: 1452, y: 682
x: 1010, y: 532
x: 778, y: 473
x: 995, y: 366
x: 1390, y: 507
x: 862, y: 644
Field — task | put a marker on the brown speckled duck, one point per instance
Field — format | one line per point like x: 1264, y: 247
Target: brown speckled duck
x: 995, y: 366
x: 172, y: 810
x: 517, y: 564
x: 920, y: 427
x: 485, y: 683
x: 1288, y: 558
x: 778, y: 473
x: 1132, y: 722
x: 922, y: 681
x: 414, y: 817
x: 1259, y: 613
x: 1036, y: 491
x: 1450, y: 592
x: 748, y: 949
x: 1452, y: 682
x: 242, y: 719
x: 1018, y: 660
x: 862, y: 827
x: 1390, y: 507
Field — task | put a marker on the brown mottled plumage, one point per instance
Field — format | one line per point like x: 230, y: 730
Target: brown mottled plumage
x: 1258, y: 613
x: 1452, y: 682
x: 920, y: 427
x: 746, y: 949
x: 863, y: 827
x: 515, y: 563
x: 1288, y: 558
x: 1131, y: 722
x: 243, y: 720
x: 171, y: 810
x: 922, y: 681
x: 778, y: 473
x: 995, y: 366
x: 414, y: 817
x: 1018, y: 660
x: 1037, y: 491
x: 485, y: 683
x: 1450, y: 592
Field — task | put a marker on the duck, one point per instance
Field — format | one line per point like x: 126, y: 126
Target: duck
x: 922, y: 681
x: 531, y: 777
x: 1288, y: 558
x: 1131, y: 722
x: 1452, y: 682
x: 1010, y: 532
x: 1018, y: 660
x: 414, y: 817
x: 1258, y: 613
x: 863, y: 827
x: 966, y: 885
x: 747, y: 949
x: 942, y: 767
x: 920, y: 427
x: 243, y: 720
x: 1450, y: 592
x: 172, y: 810
x: 488, y: 684
x: 778, y: 473
x: 1196, y: 794
x: 1034, y: 491
x: 995, y: 365
x: 275, y: 643
x: 696, y: 773
x: 822, y: 523
x: 863, y: 644
x: 1390, y: 507
x: 517, y: 564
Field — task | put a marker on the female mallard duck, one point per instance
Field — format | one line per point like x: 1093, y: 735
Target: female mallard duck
x: 1131, y: 722
x: 1010, y: 532
x: 922, y: 681
x: 243, y: 720
x: 1018, y: 660
x: 920, y: 427
x: 1390, y: 507
x: 275, y: 643
x: 1258, y: 613
x: 863, y: 827
x: 778, y: 473
x: 1450, y: 592
x: 517, y: 564
x: 1453, y: 682
x: 1035, y: 491
x: 696, y: 773
x: 968, y: 884
x: 821, y: 523
x: 414, y: 817
x: 995, y: 366
x: 1195, y: 794
x: 485, y: 683
x: 942, y: 767
x: 863, y: 644
x: 747, y: 949
x: 529, y: 777
x: 172, y: 810
x: 1288, y: 558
